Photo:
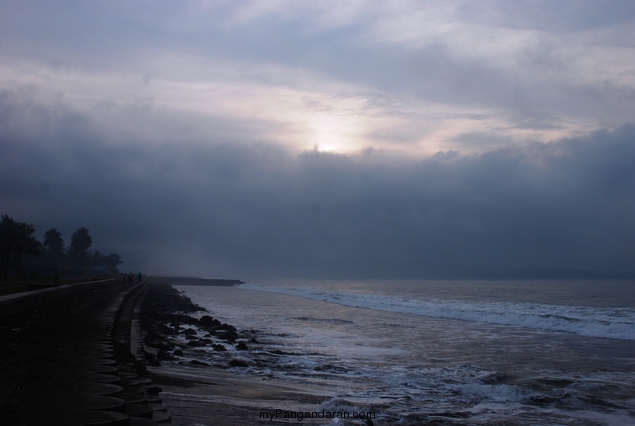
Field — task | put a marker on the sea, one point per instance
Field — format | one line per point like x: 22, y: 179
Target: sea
x: 442, y: 352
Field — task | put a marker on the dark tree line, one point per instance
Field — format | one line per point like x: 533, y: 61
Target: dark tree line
x: 18, y: 244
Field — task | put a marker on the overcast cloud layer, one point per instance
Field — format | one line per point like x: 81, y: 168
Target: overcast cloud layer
x: 332, y: 139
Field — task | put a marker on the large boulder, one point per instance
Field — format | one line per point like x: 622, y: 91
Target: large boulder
x: 151, y: 336
x: 163, y: 356
x: 165, y: 329
x: 207, y: 321
x: 229, y: 335
x: 238, y: 363
x: 164, y: 345
x: 151, y: 359
x: 219, y: 348
x: 191, y: 321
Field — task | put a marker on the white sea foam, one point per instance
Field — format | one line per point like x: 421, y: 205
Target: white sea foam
x: 614, y: 323
x: 395, y: 372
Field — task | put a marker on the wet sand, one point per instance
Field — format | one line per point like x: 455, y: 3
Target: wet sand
x: 212, y: 396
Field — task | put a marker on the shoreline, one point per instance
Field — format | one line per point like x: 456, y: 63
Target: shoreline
x: 198, y: 392
x: 197, y: 395
x: 195, y: 281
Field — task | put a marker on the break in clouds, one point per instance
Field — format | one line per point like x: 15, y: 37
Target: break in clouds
x: 256, y: 209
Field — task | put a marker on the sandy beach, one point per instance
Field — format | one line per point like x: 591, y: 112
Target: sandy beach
x: 211, y: 396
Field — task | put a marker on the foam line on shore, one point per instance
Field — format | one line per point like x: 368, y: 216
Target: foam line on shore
x: 613, y: 323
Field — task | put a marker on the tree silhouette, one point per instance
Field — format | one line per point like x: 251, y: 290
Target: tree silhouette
x: 111, y: 261
x: 80, y: 243
x: 26, y: 243
x: 54, y: 246
x: 53, y: 242
x: 17, y: 239
x: 8, y: 232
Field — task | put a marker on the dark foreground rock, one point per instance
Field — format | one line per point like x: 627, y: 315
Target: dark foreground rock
x: 238, y: 363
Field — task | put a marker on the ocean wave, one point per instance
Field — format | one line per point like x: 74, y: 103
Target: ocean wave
x: 325, y: 320
x: 613, y: 323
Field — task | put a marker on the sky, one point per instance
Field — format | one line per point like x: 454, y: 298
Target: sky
x: 325, y: 139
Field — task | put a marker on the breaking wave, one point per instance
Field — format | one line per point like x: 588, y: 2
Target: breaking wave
x: 613, y: 323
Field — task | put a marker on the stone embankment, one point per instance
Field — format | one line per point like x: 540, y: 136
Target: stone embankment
x: 175, y: 333
x: 73, y: 355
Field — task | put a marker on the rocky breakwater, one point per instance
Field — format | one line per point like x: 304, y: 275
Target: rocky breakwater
x: 177, y: 330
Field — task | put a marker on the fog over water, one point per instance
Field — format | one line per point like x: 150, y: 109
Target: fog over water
x: 421, y: 140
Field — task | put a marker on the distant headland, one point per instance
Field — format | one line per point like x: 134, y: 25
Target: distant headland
x: 194, y: 281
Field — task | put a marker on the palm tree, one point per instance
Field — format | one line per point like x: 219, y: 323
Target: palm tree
x: 54, y: 246
x: 53, y: 241
x: 8, y: 228
x: 25, y: 243
x: 17, y: 239
x: 80, y: 243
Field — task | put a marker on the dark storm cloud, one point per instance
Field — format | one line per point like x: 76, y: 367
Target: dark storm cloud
x: 175, y: 133
x: 255, y: 209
